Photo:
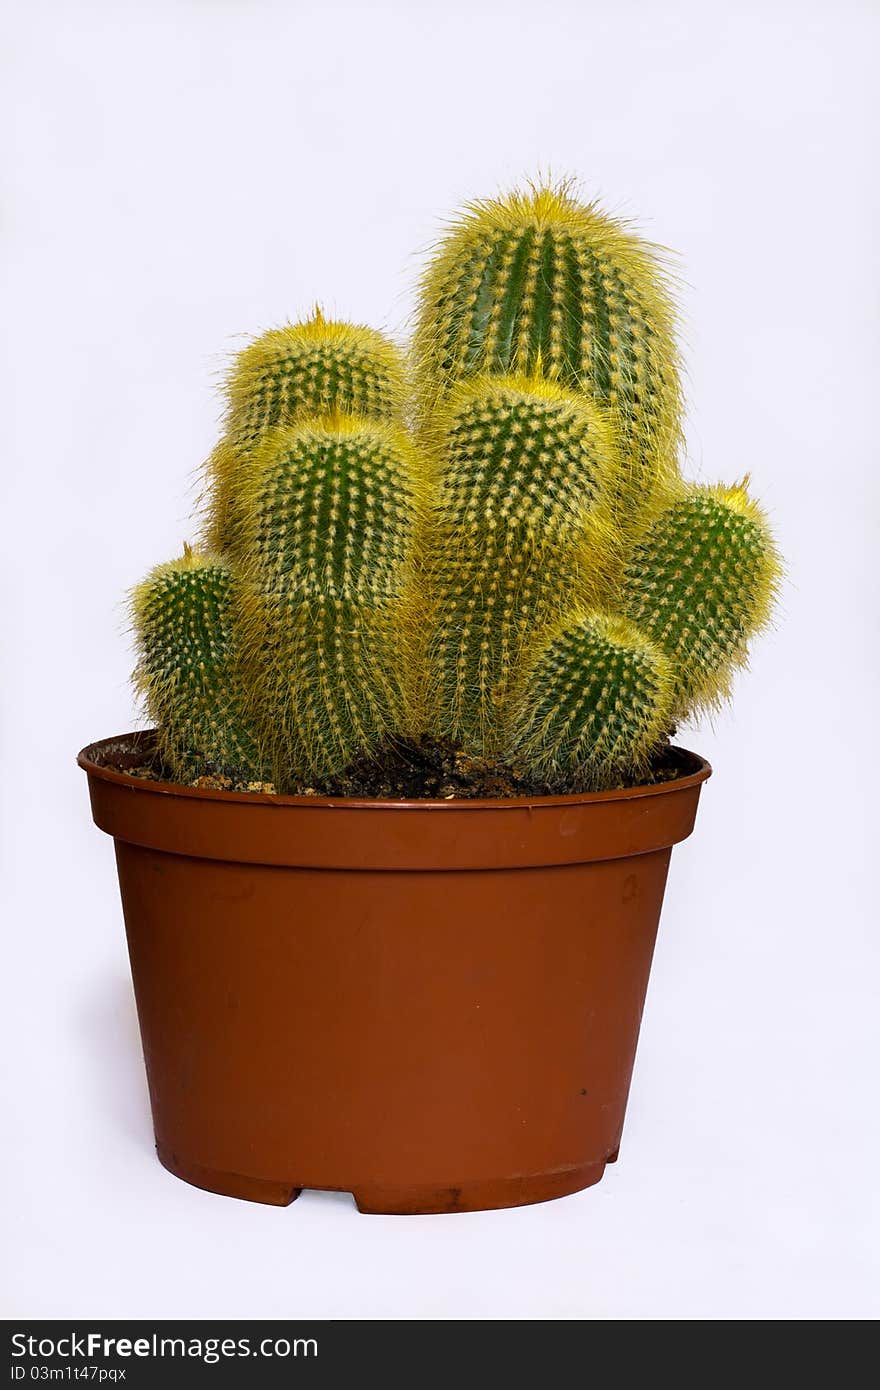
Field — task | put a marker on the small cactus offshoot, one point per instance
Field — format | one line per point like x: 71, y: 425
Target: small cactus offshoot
x: 492, y: 545
x: 700, y: 582
x: 597, y: 699
x: 184, y: 617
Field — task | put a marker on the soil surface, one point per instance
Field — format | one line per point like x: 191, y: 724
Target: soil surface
x: 429, y: 769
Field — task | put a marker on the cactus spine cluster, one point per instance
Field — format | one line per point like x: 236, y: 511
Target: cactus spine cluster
x: 513, y: 561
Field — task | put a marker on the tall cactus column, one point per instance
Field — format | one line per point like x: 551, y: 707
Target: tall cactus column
x: 584, y: 598
x: 521, y: 524
x: 548, y: 392
x: 330, y: 509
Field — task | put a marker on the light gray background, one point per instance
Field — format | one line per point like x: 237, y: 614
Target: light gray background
x: 177, y: 174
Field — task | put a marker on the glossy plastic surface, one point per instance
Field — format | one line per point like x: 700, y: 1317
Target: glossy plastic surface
x: 432, y: 1005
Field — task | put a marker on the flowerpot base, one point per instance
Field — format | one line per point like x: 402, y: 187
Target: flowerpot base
x: 274, y: 1194
x: 376, y: 1199
x: 477, y: 1196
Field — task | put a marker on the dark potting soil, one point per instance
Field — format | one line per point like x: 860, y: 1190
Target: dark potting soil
x: 427, y: 769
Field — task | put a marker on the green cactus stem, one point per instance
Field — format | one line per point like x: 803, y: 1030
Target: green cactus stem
x: 596, y: 703
x: 700, y: 583
x: 184, y: 620
x: 538, y: 282
x: 522, y: 526
x: 288, y: 375
x: 522, y: 461
x: 331, y: 508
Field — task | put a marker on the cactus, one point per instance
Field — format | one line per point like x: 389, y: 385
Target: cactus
x: 291, y: 374
x: 537, y: 281
x: 700, y: 582
x: 522, y: 525
x: 597, y: 700
x: 184, y: 621
x: 521, y: 460
x: 315, y: 496
x: 603, y: 692
x: 582, y: 598
x: 532, y: 579
x: 330, y: 509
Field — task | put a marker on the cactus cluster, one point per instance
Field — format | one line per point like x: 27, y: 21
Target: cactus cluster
x: 491, y: 543
x: 312, y: 507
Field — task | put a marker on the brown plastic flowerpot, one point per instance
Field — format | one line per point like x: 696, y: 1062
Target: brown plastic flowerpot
x: 432, y: 1005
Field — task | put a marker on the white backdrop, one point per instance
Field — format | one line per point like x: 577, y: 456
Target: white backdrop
x: 180, y: 173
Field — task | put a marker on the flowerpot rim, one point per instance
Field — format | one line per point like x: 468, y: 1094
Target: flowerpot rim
x: 134, y: 745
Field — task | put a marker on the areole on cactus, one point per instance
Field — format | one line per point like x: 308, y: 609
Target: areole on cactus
x: 523, y: 571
